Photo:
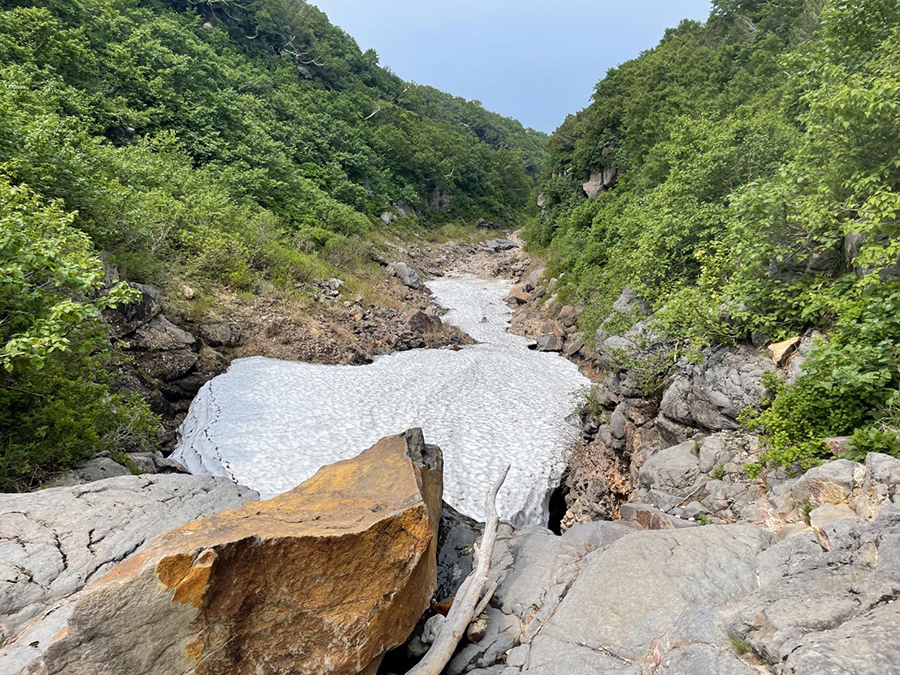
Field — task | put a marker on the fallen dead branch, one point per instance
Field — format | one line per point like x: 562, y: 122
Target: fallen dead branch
x: 471, y: 599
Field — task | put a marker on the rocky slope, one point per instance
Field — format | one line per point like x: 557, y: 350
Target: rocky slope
x: 674, y: 559
x: 811, y: 596
x: 174, y: 348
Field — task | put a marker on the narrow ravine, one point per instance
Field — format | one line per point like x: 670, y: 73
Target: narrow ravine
x: 272, y: 424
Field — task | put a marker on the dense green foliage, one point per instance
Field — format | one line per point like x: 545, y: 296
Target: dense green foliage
x: 56, y: 407
x: 761, y: 160
x: 215, y: 143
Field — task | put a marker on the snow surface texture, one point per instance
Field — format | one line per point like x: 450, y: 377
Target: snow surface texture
x: 272, y: 424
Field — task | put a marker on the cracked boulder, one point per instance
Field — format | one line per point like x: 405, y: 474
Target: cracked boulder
x: 710, y: 395
x: 322, y: 579
x: 53, y: 542
x: 405, y: 274
x: 826, y: 601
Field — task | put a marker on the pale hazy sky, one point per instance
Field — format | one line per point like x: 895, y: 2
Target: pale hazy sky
x: 535, y: 60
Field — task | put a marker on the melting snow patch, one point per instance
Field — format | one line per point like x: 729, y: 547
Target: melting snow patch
x: 272, y: 424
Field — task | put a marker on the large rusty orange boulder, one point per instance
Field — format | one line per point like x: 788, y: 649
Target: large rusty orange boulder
x: 322, y: 579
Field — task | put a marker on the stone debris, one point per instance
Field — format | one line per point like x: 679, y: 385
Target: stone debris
x: 406, y: 275
x: 498, y: 245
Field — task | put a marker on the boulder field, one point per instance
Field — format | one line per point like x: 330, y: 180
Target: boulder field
x: 813, y: 596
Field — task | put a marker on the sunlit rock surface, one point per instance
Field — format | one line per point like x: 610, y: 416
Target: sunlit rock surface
x: 271, y: 424
x: 322, y: 580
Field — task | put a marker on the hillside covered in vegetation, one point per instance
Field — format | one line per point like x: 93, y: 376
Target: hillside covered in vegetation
x: 204, y: 143
x: 743, y: 178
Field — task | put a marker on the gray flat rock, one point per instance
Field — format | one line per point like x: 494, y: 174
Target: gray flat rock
x: 694, y: 659
x: 866, y: 645
x: 633, y: 592
x: 54, y: 542
x: 674, y: 470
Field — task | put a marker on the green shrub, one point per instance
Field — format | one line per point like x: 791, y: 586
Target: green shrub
x: 873, y: 439
x: 56, y: 404
x: 753, y: 204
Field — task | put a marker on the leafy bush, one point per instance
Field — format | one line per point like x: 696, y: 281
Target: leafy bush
x: 873, y: 439
x: 753, y: 204
x: 57, y: 406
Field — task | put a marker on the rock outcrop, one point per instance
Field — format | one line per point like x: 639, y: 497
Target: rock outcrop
x: 406, y: 275
x: 600, y: 180
x: 322, y: 579
x: 710, y: 395
x: 733, y: 599
x: 53, y: 542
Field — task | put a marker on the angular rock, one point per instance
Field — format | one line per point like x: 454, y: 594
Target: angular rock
x: 537, y: 557
x: 406, y: 274
x: 598, y: 534
x: 160, y: 335
x: 599, y: 181
x: 225, y: 334
x: 549, y: 343
x: 54, y: 541
x: 322, y: 579
x: 423, y: 323
x: 828, y: 513
x: 712, y: 394
x: 499, y: 633
x: 568, y: 316
x: 837, y: 445
x: 675, y: 470
x: 883, y: 469
x: 521, y: 297
x: 533, y: 279
x: 169, y: 365
x: 815, y: 582
x: 456, y: 552
x: 125, y: 319
x: 95, y: 469
x: 497, y: 245
x: 714, y: 452
x: 576, y: 345
x: 782, y: 351
x: 649, y: 518
x: 830, y: 483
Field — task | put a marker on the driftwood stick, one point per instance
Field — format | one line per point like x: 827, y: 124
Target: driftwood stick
x: 485, y: 600
x: 470, y: 600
